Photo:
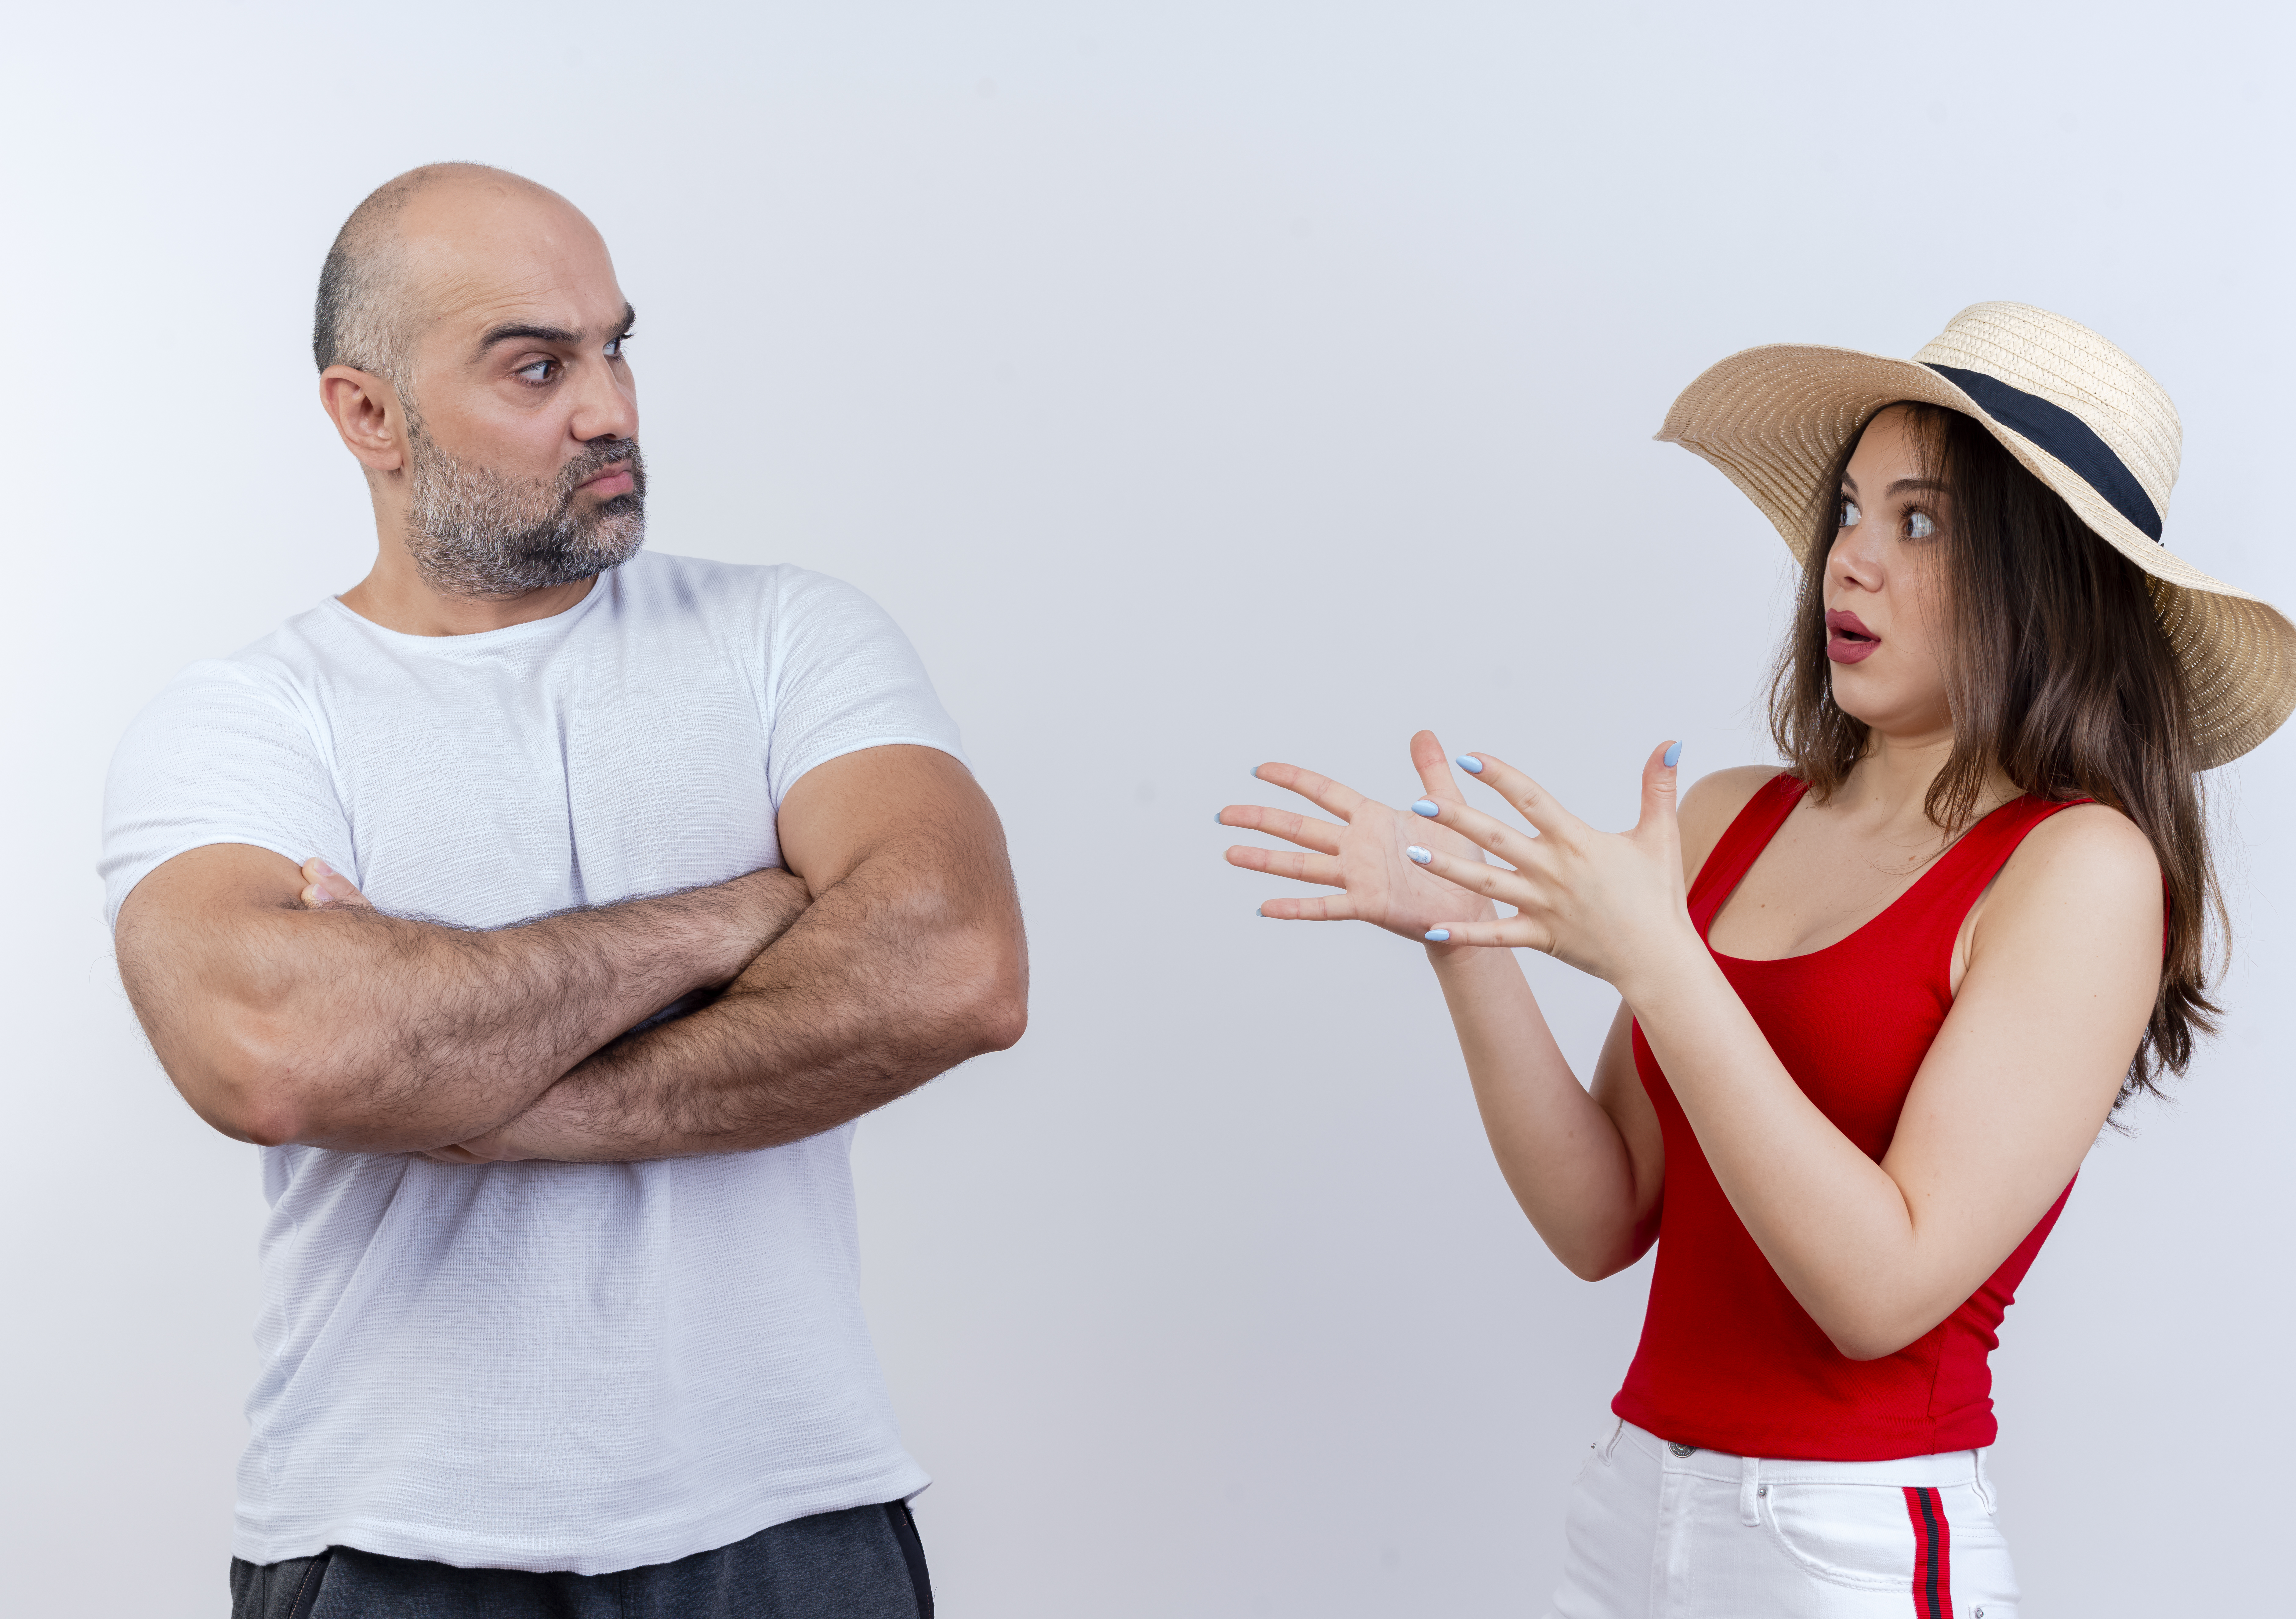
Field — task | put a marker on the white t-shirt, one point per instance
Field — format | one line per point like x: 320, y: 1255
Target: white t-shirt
x: 584, y: 1367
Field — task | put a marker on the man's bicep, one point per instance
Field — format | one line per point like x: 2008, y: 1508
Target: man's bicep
x: 842, y: 812
x: 194, y: 902
x: 184, y: 946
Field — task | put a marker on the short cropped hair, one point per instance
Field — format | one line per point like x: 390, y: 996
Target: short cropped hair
x: 364, y: 316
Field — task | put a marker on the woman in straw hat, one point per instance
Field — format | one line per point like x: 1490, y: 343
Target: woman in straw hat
x: 1875, y: 1006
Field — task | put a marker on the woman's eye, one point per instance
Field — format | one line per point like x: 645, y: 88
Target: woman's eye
x: 1850, y: 516
x: 1918, y: 526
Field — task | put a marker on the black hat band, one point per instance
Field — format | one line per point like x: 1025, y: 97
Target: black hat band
x: 2065, y: 435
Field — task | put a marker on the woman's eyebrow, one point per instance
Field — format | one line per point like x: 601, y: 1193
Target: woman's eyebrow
x: 1907, y: 485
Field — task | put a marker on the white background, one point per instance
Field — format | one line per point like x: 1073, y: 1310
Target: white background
x: 1198, y: 383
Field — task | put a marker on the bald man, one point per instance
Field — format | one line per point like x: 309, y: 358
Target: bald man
x: 548, y: 912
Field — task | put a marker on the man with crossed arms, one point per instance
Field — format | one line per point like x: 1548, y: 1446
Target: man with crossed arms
x: 548, y: 912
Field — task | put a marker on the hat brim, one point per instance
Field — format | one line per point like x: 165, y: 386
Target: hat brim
x: 1773, y: 419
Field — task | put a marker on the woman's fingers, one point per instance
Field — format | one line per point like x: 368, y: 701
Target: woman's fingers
x: 1295, y: 863
x: 1659, y: 782
x: 1510, y: 844
x: 1434, y: 769
x: 1525, y: 796
x: 1325, y: 794
x: 1513, y: 932
x: 1315, y: 908
x: 1290, y: 825
x: 1497, y: 883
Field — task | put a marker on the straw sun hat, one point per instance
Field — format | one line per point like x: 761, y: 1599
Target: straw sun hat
x: 2080, y: 415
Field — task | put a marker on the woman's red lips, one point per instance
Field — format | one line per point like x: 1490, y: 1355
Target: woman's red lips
x: 1847, y: 638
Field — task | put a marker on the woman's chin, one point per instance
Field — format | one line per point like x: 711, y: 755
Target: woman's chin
x: 1880, y: 705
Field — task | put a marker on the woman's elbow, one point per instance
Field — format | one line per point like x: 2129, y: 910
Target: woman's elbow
x: 1600, y: 1259
x: 1588, y: 1268
x: 1875, y: 1334
x: 1853, y: 1346
x: 1601, y: 1266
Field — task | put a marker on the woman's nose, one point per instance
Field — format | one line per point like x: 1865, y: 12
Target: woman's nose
x: 1855, y: 560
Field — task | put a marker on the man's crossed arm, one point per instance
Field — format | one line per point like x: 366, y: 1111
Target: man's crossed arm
x: 888, y: 951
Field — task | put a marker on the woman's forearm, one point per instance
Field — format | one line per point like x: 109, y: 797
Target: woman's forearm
x: 1564, y: 1156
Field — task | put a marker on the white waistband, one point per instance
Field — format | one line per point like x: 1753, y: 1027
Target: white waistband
x: 1921, y: 1472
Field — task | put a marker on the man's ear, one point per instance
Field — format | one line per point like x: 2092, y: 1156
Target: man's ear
x: 365, y: 411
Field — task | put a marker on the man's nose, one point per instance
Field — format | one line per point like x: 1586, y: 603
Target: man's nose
x: 604, y: 406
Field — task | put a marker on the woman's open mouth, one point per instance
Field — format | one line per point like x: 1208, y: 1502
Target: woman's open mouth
x: 1847, y: 638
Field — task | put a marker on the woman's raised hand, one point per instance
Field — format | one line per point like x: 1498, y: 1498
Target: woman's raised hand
x: 1611, y: 903
x: 1367, y: 857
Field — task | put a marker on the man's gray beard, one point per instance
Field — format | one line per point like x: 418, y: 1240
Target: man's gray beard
x: 475, y: 532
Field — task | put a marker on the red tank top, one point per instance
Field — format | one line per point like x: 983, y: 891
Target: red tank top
x: 1729, y: 1361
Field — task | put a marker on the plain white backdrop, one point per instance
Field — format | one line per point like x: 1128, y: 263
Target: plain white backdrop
x: 1199, y: 384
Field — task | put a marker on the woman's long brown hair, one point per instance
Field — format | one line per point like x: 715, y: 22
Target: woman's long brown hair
x: 2058, y: 675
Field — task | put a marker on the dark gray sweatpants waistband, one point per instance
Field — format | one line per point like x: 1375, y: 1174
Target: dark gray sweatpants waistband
x: 863, y: 1563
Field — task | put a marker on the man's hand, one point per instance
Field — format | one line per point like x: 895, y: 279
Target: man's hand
x: 287, y: 1009
x: 323, y: 885
x: 909, y: 960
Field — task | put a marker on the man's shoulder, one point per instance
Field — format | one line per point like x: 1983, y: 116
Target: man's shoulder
x: 270, y: 666
x: 706, y: 578
x: 767, y: 598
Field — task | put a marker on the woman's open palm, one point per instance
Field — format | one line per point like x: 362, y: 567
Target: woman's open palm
x: 1362, y: 855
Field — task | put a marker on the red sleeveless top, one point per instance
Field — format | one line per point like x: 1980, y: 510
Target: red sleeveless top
x: 1729, y: 1361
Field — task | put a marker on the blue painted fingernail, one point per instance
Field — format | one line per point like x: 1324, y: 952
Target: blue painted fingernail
x: 1673, y: 756
x: 1217, y: 817
x: 1439, y: 936
x: 1255, y: 773
x: 1419, y: 854
x: 1256, y: 910
x: 1473, y: 767
x: 1427, y: 808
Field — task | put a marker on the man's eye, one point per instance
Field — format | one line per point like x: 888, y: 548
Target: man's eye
x: 1918, y: 526
x: 539, y: 371
x: 1851, y: 517
x: 614, y: 348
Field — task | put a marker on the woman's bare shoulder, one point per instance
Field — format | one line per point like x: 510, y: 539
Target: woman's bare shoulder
x: 2083, y: 884
x: 2083, y: 847
x: 1712, y: 804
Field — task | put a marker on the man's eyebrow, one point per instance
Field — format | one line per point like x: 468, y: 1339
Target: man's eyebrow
x: 548, y: 334
x: 532, y: 334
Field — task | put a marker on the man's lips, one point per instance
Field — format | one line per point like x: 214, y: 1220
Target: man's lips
x: 1847, y: 638
x: 614, y: 479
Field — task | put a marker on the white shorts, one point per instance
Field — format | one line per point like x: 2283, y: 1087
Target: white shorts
x: 1660, y: 1532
